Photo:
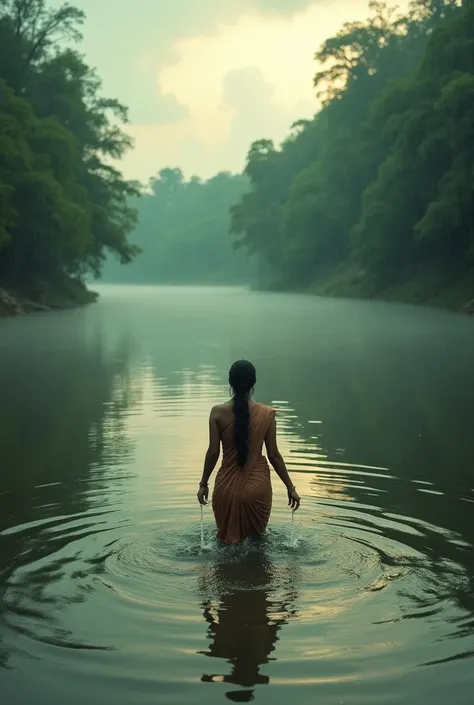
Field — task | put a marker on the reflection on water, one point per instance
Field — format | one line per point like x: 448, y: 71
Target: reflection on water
x: 105, y: 590
x: 245, y: 618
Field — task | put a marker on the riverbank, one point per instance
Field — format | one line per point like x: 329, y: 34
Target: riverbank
x: 451, y: 291
x: 69, y: 293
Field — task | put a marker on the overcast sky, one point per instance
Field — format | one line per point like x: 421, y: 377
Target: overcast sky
x: 204, y: 78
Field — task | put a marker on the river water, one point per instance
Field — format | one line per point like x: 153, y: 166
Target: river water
x: 107, y: 594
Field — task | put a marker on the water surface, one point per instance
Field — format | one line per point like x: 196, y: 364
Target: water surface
x: 106, y: 592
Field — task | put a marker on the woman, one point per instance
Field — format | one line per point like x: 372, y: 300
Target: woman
x: 242, y: 498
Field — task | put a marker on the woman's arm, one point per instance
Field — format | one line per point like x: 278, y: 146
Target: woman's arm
x: 212, y: 456
x: 276, y: 459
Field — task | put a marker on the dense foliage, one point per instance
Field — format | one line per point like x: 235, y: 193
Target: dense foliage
x: 183, y: 232
x: 383, y: 176
x: 380, y: 181
x: 62, y: 205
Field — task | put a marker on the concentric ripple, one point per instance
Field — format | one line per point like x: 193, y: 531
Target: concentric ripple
x: 112, y: 591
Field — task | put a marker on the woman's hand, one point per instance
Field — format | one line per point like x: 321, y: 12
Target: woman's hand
x: 203, y: 494
x: 294, y: 499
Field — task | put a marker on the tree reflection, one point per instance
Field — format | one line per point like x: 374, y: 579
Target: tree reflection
x: 250, y: 600
x: 63, y: 424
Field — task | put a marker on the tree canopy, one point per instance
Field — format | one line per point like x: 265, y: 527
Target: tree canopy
x: 62, y: 204
x: 383, y: 175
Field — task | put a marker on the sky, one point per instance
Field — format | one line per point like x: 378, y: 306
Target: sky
x: 204, y: 78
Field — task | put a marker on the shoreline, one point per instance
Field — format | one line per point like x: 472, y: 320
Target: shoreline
x: 453, y: 292
x: 18, y: 303
x: 455, y: 295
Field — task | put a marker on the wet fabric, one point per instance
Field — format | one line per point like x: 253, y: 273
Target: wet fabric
x: 242, y: 497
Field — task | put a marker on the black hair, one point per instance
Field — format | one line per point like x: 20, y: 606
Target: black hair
x: 242, y: 379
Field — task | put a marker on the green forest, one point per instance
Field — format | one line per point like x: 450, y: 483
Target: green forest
x: 183, y: 233
x: 371, y: 197
x: 374, y: 196
x: 62, y: 204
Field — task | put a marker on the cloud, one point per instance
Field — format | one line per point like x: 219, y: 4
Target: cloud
x: 256, y: 114
x: 131, y: 44
x: 148, y: 104
x: 219, y: 138
x: 246, y: 88
x: 283, y: 6
x: 203, y: 79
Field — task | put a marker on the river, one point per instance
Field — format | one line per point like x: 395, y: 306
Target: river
x: 108, y: 595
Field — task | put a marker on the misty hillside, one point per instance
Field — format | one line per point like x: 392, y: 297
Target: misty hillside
x: 183, y: 232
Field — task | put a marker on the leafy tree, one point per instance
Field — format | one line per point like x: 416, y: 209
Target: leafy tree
x: 63, y: 205
x: 383, y: 173
x: 419, y: 209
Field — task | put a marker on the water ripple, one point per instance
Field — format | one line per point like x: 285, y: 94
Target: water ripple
x: 110, y: 589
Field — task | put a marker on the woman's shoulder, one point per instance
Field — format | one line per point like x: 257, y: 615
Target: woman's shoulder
x: 268, y: 409
x: 223, y: 405
x: 222, y: 410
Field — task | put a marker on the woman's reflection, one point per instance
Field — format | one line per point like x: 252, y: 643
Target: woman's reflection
x: 245, y: 614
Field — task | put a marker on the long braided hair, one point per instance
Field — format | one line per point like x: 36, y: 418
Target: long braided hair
x: 242, y: 379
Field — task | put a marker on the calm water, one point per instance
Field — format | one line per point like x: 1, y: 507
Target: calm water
x: 106, y: 593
